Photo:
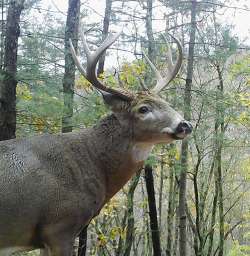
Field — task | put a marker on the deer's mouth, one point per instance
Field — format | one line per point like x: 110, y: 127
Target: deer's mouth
x: 182, y: 131
x: 179, y: 136
x: 167, y: 131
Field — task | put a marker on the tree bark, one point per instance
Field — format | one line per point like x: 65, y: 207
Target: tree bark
x: 213, y: 221
x: 148, y: 169
x: 121, y: 240
x: 130, y: 215
x: 83, y: 242
x: 149, y: 27
x: 171, y: 204
x: 106, y: 21
x: 161, y: 186
x: 152, y: 211
x: 71, y: 32
x: 219, y: 131
x: 218, y: 194
x: 176, y: 235
x: 184, y: 146
x: 150, y: 35
x: 8, y: 81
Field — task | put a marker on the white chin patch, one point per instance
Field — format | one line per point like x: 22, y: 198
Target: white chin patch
x: 167, y: 130
x: 170, y: 131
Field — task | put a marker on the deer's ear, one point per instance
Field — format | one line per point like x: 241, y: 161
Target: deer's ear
x: 115, y: 102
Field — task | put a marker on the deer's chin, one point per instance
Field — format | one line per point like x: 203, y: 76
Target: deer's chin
x: 179, y: 136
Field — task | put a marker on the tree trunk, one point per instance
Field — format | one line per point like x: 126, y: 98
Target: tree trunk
x: 105, y: 31
x: 184, y: 146
x: 8, y: 80
x: 83, y: 242
x: 71, y: 32
x: 182, y: 200
x: 149, y: 27
x: 121, y: 240
x: 150, y: 35
x: 218, y: 194
x: 213, y: 221
x: 176, y: 234
x: 152, y: 210
x: 161, y: 186
x: 171, y: 202
x: 130, y: 215
x: 219, y: 133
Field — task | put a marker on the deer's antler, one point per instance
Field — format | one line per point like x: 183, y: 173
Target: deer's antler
x: 92, y: 59
x: 171, y: 70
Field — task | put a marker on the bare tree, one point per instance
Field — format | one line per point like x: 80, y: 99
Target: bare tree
x: 8, y: 80
x: 219, y: 133
x: 71, y: 32
x: 152, y: 210
x: 105, y: 31
x: 130, y: 215
x: 149, y: 180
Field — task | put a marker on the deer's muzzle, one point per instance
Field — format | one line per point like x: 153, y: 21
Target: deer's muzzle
x: 183, y: 129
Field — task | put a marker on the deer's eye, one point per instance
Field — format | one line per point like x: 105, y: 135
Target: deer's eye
x: 143, y: 110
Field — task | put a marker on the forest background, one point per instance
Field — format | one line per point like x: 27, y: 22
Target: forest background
x: 201, y: 185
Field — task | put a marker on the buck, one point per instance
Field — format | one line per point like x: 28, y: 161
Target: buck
x: 51, y: 186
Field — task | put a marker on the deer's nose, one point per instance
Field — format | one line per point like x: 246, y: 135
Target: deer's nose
x: 184, y: 127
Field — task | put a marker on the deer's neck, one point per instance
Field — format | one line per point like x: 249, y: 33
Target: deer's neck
x: 140, y: 151
x: 117, y: 154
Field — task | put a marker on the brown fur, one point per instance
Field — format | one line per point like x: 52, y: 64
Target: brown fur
x: 51, y: 186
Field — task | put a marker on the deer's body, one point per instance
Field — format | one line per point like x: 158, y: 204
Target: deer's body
x: 61, y: 181
x: 51, y: 186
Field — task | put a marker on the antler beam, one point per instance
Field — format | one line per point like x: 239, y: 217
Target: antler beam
x: 92, y: 60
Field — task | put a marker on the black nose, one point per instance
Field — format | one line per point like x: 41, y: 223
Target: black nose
x: 184, y: 127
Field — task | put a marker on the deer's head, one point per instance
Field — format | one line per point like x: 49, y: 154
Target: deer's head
x: 151, y: 117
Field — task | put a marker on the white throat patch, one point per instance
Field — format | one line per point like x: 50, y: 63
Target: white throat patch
x: 141, y: 151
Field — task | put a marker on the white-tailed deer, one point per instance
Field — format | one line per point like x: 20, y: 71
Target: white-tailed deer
x: 51, y: 186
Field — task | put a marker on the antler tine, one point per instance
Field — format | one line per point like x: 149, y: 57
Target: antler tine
x: 169, y: 55
x: 85, y: 45
x: 172, y: 69
x: 92, y: 59
x: 153, y: 67
x: 76, y: 60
